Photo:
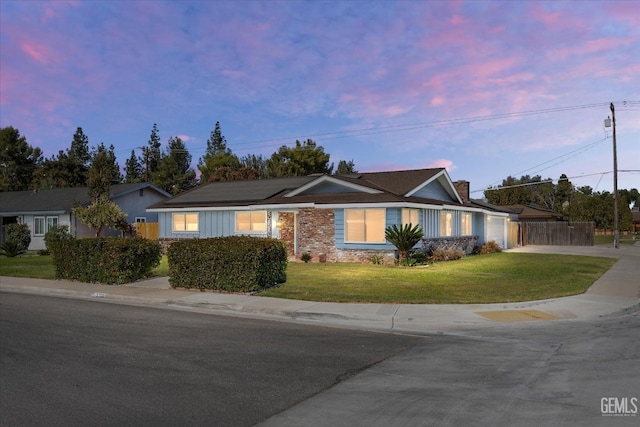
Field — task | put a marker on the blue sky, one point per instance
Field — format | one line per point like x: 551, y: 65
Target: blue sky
x: 389, y: 85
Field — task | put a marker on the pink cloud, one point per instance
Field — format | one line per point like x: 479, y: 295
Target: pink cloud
x: 441, y: 163
x: 34, y: 51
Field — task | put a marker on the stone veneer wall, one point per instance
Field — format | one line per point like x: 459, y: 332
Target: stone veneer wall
x: 287, y: 231
x: 316, y: 234
x: 364, y: 255
x: 465, y: 244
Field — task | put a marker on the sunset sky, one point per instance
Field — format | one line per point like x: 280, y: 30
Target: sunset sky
x: 486, y: 89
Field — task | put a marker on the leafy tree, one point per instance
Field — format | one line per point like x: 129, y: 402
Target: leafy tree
x: 18, y: 160
x: 67, y: 169
x: 103, y: 171
x: 633, y: 196
x: 133, y: 169
x: 404, y: 238
x: 256, y: 163
x: 564, y: 188
x: 304, y: 159
x: 175, y: 173
x: 346, y: 168
x: 100, y: 214
x: 514, y: 191
x: 219, y: 163
x: 151, y: 154
x: 586, y: 205
x: 57, y: 172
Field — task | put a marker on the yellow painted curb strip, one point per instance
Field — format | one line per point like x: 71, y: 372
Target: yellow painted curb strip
x: 516, y: 315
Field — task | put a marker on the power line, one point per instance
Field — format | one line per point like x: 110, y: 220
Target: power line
x: 411, y: 126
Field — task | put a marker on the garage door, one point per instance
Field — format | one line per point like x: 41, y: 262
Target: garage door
x: 495, y: 229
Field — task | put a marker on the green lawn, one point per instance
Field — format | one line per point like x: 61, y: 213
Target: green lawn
x: 626, y: 239
x: 500, y: 277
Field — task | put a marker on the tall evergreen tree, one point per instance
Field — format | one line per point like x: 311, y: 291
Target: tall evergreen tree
x: 175, y: 173
x: 218, y: 163
x: 151, y: 154
x: 18, y: 161
x: 133, y: 169
x: 104, y: 171
x: 304, y: 159
x: 78, y: 160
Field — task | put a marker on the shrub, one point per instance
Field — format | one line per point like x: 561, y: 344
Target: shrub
x: 376, y: 259
x: 20, y: 234
x: 306, y: 257
x: 56, y: 234
x: 442, y: 254
x: 108, y: 260
x: 489, y: 248
x: 11, y: 248
x: 231, y: 264
x: 44, y: 252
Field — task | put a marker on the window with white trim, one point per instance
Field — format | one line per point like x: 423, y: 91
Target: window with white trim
x: 410, y: 216
x: 38, y: 226
x: 52, y: 221
x: 251, y: 222
x: 141, y: 219
x: 43, y: 224
x: 446, y: 224
x: 185, y: 222
x: 364, y: 225
x: 466, y: 224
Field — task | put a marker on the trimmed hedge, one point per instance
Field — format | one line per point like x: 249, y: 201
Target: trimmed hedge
x: 106, y: 260
x: 230, y: 264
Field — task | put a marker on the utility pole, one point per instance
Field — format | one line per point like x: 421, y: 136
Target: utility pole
x: 616, y: 231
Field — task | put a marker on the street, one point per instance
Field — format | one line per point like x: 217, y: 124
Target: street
x: 70, y: 362
x: 75, y: 362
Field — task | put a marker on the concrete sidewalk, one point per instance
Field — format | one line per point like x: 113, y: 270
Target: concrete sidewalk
x: 617, y: 290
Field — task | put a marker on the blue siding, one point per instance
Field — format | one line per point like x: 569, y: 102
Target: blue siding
x: 328, y: 188
x: 210, y: 224
x: 431, y: 223
x: 434, y: 190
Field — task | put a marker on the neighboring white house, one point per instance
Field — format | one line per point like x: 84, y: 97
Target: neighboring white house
x: 333, y: 217
x: 42, y: 209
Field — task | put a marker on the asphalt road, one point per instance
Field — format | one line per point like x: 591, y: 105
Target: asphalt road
x: 66, y: 362
x: 559, y: 373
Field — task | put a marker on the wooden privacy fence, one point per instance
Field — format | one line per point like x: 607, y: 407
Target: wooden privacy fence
x: 557, y: 233
x: 148, y: 230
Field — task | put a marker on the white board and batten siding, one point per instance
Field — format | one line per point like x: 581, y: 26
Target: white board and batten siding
x: 496, y: 230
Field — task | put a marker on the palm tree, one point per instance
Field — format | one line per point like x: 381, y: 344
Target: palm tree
x: 404, y: 238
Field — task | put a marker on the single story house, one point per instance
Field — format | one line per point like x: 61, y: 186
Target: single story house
x: 41, y: 209
x: 635, y: 219
x: 332, y: 217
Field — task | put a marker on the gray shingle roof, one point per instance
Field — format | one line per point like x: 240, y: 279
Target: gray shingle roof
x: 393, y: 186
x: 56, y: 199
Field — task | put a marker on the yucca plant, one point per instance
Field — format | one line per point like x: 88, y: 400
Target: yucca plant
x: 404, y: 238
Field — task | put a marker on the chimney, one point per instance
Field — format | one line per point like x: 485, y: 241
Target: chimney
x: 462, y: 187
